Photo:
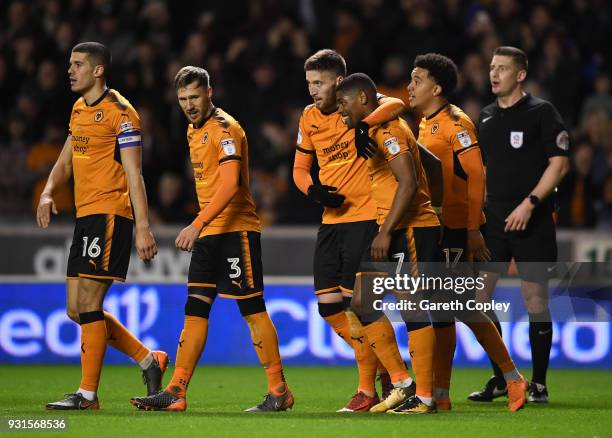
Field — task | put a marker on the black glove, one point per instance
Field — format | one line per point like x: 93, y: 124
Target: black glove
x: 323, y: 195
x: 366, y: 147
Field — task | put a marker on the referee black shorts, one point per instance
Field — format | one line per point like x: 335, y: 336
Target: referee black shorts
x: 534, y: 250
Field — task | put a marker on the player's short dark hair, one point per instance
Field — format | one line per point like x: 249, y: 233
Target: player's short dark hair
x: 518, y: 56
x: 358, y: 82
x: 326, y: 60
x: 441, y: 68
x: 97, y: 52
x: 190, y: 74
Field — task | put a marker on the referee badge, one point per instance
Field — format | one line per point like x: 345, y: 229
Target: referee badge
x: 516, y: 139
x: 563, y: 140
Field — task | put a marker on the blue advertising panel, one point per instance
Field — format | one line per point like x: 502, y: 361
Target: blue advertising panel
x: 35, y: 329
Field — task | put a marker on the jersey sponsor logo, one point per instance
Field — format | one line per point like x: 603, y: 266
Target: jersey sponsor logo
x: 205, y: 138
x: 80, y: 139
x: 299, y: 137
x: 435, y: 127
x: 563, y: 140
x: 339, y: 151
x: 464, y: 138
x: 99, y: 116
x: 229, y: 146
x: 392, y: 145
x: 516, y: 139
x: 126, y: 126
x: 79, y: 148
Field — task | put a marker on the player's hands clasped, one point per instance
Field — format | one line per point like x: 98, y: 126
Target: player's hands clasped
x: 146, y: 247
x: 519, y: 218
x: 366, y: 147
x: 46, y: 205
x: 477, y: 247
x: 379, y: 250
x: 186, y: 238
x: 325, y: 195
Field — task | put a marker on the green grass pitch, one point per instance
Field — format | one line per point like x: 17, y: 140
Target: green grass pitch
x: 580, y: 405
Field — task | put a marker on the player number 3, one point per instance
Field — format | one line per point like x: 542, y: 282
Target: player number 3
x: 234, y: 267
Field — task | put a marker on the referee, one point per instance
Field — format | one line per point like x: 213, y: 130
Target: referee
x: 525, y: 148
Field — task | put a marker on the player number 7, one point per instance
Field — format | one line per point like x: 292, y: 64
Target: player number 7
x: 400, y: 259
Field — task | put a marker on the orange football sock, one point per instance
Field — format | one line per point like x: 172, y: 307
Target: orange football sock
x: 341, y: 325
x: 120, y: 338
x: 488, y: 336
x: 381, y: 338
x: 93, y: 347
x: 364, y: 355
x: 265, y: 341
x: 444, y: 350
x: 421, y: 348
x: 190, y: 346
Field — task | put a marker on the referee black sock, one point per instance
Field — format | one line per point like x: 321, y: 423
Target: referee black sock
x: 540, y: 338
x: 499, y: 375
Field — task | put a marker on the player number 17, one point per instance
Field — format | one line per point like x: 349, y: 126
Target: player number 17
x: 457, y: 252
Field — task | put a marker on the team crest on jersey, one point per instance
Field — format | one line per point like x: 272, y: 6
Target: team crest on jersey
x: 435, y: 127
x: 99, y: 116
x: 516, y: 139
x: 464, y: 139
x: 205, y: 138
x: 563, y: 140
x: 228, y: 145
x: 392, y: 145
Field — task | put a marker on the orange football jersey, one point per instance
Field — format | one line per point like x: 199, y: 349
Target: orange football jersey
x: 218, y: 140
x: 333, y: 142
x: 97, y: 133
x: 448, y: 134
x: 394, y: 139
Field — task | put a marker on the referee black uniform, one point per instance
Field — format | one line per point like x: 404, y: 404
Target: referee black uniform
x: 516, y: 144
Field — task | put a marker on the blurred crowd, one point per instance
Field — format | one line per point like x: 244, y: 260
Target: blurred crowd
x: 254, y: 51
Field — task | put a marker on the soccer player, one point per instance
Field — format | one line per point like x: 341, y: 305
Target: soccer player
x: 449, y: 133
x: 103, y: 153
x: 225, y: 243
x: 409, y: 229
x: 522, y: 135
x: 349, y: 211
